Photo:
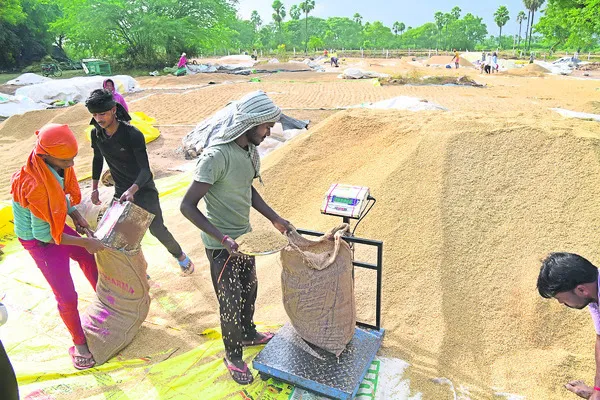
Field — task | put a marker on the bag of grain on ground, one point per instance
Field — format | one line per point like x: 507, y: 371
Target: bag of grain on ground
x: 122, y: 302
x: 318, y: 288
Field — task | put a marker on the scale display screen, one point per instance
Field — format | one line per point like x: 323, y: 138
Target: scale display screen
x: 344, y: 200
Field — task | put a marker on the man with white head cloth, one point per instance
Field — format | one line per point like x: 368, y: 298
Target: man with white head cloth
x: 224, y: 174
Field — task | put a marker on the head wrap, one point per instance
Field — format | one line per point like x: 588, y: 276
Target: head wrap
x: 35, y: 187
x: 236, y: 119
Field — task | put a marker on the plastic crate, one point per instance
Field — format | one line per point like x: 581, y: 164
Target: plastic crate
x: 98, y: 68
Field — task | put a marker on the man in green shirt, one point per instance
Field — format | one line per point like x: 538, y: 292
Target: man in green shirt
x: 226, y: 169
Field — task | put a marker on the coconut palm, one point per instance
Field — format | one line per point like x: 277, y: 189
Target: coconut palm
x: 520, y: 18
x: 279, y: 13
x: 501, y: 17
x: 307, y: 6
x: 357, y: 18
x: 532, y: 6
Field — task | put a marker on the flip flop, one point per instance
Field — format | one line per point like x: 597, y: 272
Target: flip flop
x: 241, y: 376
x: 74, y: 358
x: 266, y: 337
x: 187, y: 266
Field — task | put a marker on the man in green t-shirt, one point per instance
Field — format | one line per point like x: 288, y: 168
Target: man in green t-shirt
x: 223, y: 178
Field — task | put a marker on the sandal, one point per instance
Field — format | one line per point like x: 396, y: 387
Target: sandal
x: 187, y: 266
x: 261, y: 338
x: 242, y: 376
x: 81, y: 362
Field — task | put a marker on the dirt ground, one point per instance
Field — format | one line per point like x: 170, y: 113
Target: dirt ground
x: 469, y: 200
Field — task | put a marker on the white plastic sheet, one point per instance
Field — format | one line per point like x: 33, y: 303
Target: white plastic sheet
x: 403, y: 103
x: 28, y: 79
x: 576, y: 114
x: 74, y: 89
x: 12, y: 105
x: 355, y: 73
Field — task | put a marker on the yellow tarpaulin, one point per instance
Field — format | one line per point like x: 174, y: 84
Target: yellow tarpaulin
x: 141, y: 121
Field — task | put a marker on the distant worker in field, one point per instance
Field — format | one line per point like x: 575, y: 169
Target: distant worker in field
x: 495, y: 62
x: 488, y: 63
x: 109, y: 85
x: 531, y: 58
x: 456, y: 59
x: 124, y: 148
x: 325, y: 53
x: 573, y: 281
x: 227, y: 167
x: 254, y: 55
x: 181, y: 65
x: 334, y: 59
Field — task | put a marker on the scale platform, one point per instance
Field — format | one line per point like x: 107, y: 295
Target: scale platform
x: 289, y: 358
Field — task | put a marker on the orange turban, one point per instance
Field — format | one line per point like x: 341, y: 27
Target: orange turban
x: 35, y: 187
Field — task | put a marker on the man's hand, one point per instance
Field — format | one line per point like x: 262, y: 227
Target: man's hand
x: 95, y: 197
x: 595, y: 395
x: 127, y: 195
x: 93, y: 245
x: 81, y: 225
x: 282, y: 225
x: 231, y: 246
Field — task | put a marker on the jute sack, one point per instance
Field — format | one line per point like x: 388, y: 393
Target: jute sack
x: 318, y: 289
x: 122, y: 303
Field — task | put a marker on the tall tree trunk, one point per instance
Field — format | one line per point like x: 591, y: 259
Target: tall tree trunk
x: 531, y: 29
x: 519, y: 42
x: 527, y: 27
x: 500, y: 39
x: 306, y: 35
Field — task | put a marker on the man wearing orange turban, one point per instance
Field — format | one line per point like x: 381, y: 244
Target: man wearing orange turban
x: 44, y: 191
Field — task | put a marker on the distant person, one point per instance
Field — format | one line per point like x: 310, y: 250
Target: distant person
x: 456, y: 59
x: 488, y: 64
x: 495, y: 62
x: 181, y: 65
x: 334, y: 59
x: 124, y: 148
x: 531, y: 58
x: 573, y: 281
x: 44, y: 192
x: 110, y: 86
x: 576, y: 56
x: 254, y: 55
x: 325, y: 53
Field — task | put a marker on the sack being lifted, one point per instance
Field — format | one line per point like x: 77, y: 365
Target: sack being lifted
x: 318, y: 289
x: 122, y: 294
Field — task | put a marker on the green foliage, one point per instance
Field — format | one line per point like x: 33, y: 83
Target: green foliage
x: 11, y: 12
x: 315, y: 43
x: 146, y: 32
x: 571, y: 23
x: 295, y: 12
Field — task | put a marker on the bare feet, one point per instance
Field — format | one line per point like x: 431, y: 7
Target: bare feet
x: 580, y: 389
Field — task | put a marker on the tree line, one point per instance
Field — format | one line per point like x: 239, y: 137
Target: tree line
x: 152, y: 33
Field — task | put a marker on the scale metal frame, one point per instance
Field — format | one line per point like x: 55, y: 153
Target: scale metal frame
x: 325, y: 374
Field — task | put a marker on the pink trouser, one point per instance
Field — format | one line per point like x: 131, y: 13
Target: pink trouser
x: 53, y: 261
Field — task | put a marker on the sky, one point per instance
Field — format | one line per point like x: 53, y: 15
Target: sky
x: 389, y: 11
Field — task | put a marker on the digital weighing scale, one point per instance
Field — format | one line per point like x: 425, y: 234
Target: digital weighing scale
x: 289, y: 358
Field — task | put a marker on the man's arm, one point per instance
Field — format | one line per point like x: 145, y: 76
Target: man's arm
x: 262, y: 207
x: 138, y: 146
x: 189, y: 208
x: 97, y: 165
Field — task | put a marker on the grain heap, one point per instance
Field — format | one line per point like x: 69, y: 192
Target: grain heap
x: 465, y: 214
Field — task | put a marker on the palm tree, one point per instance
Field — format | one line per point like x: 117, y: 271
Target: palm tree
x: 439, y: 22
x: 501, y: 17
x: 396, y: 28
x: 256, y: 20
x: 279, y: 13
x: 357, y: 18
x: 295, y: 12
x: 532, y: 6
x: 520, y: 18
x: 402, y: 28
x: 307, y: 6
